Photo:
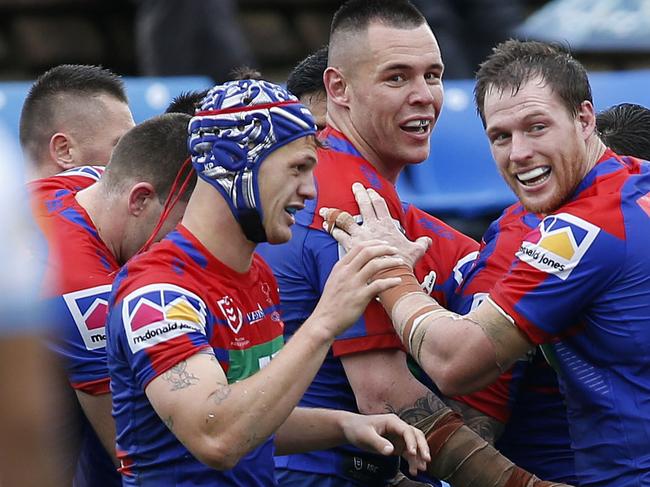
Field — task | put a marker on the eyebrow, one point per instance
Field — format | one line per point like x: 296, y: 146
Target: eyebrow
x: 537, y: 113
x: 406, y: 67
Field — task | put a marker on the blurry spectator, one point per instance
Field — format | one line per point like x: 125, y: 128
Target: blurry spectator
x: 27, y: 445
x: 468, y: 29
x: 206, y: 40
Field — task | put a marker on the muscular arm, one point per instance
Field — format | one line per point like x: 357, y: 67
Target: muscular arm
x: 98, y: 411
x: 390, y: 387
x: 485, y: 426
x: 218, y: 422
x: 317, y: 429
x: 393, y: 388
x: 461, y: 354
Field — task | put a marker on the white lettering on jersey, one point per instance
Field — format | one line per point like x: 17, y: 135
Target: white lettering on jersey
x: 558, y: 244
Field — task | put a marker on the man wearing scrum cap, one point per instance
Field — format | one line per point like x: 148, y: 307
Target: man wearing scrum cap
x: 201, y: 382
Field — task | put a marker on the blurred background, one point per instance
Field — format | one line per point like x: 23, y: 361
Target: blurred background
x: 163, y: 47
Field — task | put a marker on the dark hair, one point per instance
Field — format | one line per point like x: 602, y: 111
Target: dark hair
x: 152, y: 151
x: 625, y: 128
x: 187, y: 102
x: 39, y: 111
x: 307, y: 76
x: 245, y: 72
x: 356, y: 15
x: 513, y: 63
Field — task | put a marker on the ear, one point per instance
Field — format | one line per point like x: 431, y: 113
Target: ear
x: 336, y: 86
x: 587, y: 119
x: 141, y: 195
x: 61, y: 148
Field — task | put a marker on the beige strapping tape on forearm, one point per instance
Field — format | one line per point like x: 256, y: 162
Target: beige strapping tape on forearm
x: 462, y: 458
x: 409, y: 315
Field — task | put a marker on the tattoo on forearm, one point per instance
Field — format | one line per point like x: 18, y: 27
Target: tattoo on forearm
x: 485, y: 426
x: 220, y: 394
x: 169, y: 422
x: 179, y: 377
x: 423, y: 407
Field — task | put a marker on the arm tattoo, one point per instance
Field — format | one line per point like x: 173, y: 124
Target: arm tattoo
x: 179, y: 377
x: 220, y: 394
x: 169, y: 422
x: 485, y: 426
x: 423, y: 407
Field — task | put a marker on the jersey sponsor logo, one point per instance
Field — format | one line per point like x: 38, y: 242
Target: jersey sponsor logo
x: 89, y: 309
x: 231, y: 312
x: 159, y: 312
x: 644, y: 203
x: 558, y: 244
x: 256, y: 315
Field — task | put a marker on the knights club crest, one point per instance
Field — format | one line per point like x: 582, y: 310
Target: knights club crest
x: 231, y: 312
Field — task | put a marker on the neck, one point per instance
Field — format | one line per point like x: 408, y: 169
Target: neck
x: 44, y: 169
x: 210, y: 220
x: 388, y: 169
x: 103, y: 211
x: 595, y: 150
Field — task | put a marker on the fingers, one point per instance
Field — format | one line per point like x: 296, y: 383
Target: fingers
x: 366, y: 208
x: 415, y: 448
x: 378, y: 204
x: 341, y: 237
x: 338, y: 218
x: 424, y: 242
x: 416, y: 451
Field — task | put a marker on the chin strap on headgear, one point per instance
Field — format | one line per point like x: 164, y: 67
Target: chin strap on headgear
x: 237, y: 126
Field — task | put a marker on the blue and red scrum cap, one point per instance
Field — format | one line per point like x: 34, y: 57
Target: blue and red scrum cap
x: 237, y: 126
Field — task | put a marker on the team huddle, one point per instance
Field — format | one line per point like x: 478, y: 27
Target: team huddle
x: 240, y: 297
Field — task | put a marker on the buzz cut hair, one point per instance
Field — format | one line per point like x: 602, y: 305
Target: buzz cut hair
x: 39, y: 113
x: 356, y: 15
x: 152, y: 151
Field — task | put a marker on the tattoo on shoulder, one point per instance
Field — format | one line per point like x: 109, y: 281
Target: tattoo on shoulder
x: 485, y: 426
x: 423, y: 407
x: 179, y: 377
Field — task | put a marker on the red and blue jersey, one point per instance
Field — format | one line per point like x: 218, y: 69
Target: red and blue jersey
x: 78, y: 277
x: 303, y: 265
x: 168, y: 304
x: 581, y: 280
x: 78, y: 274
x: 527, y: 397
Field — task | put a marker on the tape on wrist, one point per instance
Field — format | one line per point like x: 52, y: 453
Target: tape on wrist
x: 408, y: 285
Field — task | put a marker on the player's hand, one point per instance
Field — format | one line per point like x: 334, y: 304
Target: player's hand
x: 387, y: 434
x: 350, y: 286
x: 377, y: 224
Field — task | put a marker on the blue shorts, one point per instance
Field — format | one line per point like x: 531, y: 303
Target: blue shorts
x: 293, y: 478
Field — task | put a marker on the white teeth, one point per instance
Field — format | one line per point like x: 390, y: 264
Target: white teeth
x: 417, y: 123
x: 533, y: 173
